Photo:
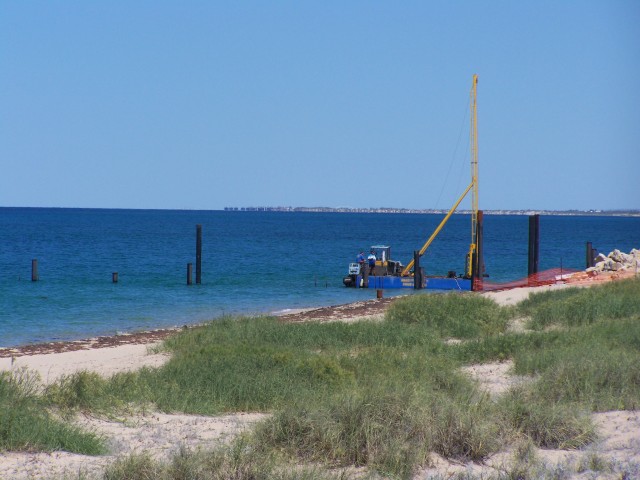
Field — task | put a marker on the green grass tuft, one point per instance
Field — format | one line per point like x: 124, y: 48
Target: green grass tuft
x: 450, y: 315
x: 134, y: 467
x: 547, y: 424
x: 26, y: 425
x: 583, y: 306
x: 238, y: 461
x: 597, y: 365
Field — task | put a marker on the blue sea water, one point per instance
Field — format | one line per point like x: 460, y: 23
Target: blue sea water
x: 252, y: 262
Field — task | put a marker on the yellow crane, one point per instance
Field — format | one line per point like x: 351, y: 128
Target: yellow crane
x: 473, y: 187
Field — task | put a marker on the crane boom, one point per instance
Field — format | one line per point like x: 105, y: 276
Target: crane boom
x: 435, y: 233
x: 473, y: 186
x: 473, y: 142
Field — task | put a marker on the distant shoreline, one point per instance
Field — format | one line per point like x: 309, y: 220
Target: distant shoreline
x: 426, y: 211
x: 583, y: 213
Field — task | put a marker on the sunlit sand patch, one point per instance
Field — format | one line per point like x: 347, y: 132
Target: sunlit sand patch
x: 495, y: 378
x: 159, y: 435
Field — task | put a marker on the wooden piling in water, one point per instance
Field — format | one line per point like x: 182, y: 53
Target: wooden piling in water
x: 365, y: 276
x: 534, y: 244
x: 34, y: 270
x: 417, y: 271
x: 114, y: 277
x: 590, y: 255
x: 474, y: 271
x: 198, y: 254
x: 189, y: 273
x: 479, y: 266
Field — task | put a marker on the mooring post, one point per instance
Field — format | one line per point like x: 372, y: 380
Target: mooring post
x: 474, y: 270
x: 189, y: 273
x: 417, y: 271
x: 589, y: 255
x: 479, y: 250
x: 114, y: 277
x: 534, y: 243
x: 365, y: 275
x: 34, y: 270
x: 198, y: 254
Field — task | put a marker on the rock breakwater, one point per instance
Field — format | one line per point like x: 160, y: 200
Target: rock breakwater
x: 616, y: 261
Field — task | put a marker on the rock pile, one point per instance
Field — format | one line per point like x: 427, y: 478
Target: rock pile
x: 616, y: 261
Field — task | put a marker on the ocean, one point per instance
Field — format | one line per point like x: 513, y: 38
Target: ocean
x: 252, y: 262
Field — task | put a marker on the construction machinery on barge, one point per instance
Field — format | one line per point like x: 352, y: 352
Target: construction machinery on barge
x: 389, y: 273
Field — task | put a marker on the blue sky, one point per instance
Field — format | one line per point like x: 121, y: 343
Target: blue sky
x: 158, y: 104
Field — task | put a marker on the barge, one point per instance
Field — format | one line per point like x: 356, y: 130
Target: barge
x: 385, y: 273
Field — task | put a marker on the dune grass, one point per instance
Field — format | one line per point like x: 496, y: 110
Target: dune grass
x: 583, y: 306
x: 450, y: 316
x: 384, y: 394
x: 25, y: 425
x: 390, y: 419
x: 238, y: 461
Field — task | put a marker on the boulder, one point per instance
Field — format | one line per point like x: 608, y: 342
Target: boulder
x: 606, y: 264
x: 600, y: 266
x: 616, y: 266
x: 600, y: 258
x: 616, y: 261
x: 618, y: 256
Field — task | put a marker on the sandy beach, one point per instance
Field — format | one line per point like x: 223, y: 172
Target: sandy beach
x: 162, y: 435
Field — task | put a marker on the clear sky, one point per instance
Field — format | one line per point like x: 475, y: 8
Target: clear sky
x: 168, y: 104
